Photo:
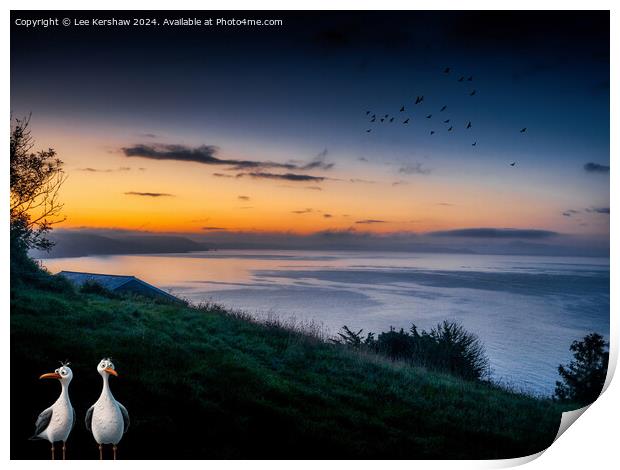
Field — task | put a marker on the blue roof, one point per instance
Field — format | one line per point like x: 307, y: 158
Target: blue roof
x: 110, y: 282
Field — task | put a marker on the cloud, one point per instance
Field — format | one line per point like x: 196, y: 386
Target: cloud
x: 570, y: 212
x: 317, y: 163
x: 327, y: 216
x: 592, y: 167
x: 243, y: 198
x: 210, y: 229
x: 400, y: 183
x: 362, y: 159
x: 359, y: 180
x: 415, y: 169
x: 302, y: 211
x: 206, y: 155
x: 138, y: 193
x: 447, y: 204
x: 370, y: 221
x: 106, y: 170
x: 495, y: 233
x: 202, y: 154
x: 148, y: 135
x: 598, y: 210
x: 314, y: 188
x: 222, y: 175
x: 285, y: 176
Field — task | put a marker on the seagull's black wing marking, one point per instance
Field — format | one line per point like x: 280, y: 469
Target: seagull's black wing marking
x: 89, y: 418
x: 125, y: 418
x: 42, y: 423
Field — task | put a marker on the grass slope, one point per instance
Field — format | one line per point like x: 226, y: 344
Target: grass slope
x: 203, y: 384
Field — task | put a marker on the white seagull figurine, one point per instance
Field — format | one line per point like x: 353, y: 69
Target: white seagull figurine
x: 107, y: 419
x: 56, y: 422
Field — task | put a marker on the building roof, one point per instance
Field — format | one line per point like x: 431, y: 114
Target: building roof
x: 111, y: 282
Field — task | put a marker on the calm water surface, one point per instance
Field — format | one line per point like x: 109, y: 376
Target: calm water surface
x: 527, y: 310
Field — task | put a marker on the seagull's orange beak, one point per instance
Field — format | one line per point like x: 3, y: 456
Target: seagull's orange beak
x: 111, y: 371
x: 50, y: 375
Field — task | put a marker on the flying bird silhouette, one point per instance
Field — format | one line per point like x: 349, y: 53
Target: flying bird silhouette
x: 406, y: 121
x: 368, y: 130
x: 446, y: 70
x: 468, y: 125
x: 513, y: 163
x: 402, y: 109
x: 419, y: 99
x: 432, y: 132
x: 447, y: 121
x: 523, y: 130
x: 367, y: 113
x: 472, y: 93
x: 470, y: 78
x: 373, y: 119
x: 461, y: 79
x: 382, y: 119
x: 391, y: 119
x: 450, y: 129
x: 386, y: 115
x: 443, y: 108
x: 474, y: 144
x: 428, y: 116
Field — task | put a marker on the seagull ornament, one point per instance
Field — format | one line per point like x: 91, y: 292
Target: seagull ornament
x: 56, y: 422
x: 107, y: 419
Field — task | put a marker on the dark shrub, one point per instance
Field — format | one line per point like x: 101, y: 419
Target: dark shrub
x: 583, y: 379
x: 448, y: 347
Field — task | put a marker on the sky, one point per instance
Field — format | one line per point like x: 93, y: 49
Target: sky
x: 246, y: 131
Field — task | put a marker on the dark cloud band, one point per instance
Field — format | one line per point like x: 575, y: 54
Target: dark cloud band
x: 495, y: 233
x: 206, y: 155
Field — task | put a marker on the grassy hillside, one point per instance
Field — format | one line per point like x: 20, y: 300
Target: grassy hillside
x: 204, y: 384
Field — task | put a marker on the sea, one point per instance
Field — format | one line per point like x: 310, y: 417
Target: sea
x: 527, y: 310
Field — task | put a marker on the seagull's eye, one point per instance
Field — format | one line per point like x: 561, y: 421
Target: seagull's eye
x: 63, y: 372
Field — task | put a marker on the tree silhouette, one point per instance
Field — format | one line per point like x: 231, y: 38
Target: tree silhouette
x: 36, y: 178
x: 583, y: 379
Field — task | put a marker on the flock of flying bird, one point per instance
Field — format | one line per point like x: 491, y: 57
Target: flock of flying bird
x: 387, y: 118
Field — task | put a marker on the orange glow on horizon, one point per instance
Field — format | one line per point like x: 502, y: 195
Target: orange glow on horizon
x: 101, y: 188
